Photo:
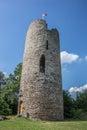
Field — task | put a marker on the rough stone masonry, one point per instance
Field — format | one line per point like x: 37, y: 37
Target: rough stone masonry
x: 41, y: 96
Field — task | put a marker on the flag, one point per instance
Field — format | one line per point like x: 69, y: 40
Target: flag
x: 44, y: 15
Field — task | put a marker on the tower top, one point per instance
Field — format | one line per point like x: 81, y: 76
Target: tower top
x: 39, y: 20
x: 38, y: 24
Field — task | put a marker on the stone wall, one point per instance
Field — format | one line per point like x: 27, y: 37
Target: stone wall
x: 41, y: 85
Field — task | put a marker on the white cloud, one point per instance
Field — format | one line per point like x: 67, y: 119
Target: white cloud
x: 86, y: 58
x: 76, y: 89
x: 6, y: 75
x: 68, y: 57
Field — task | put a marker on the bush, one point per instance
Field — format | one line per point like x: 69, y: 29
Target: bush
x: 4, y: 108
x: 80, y: 114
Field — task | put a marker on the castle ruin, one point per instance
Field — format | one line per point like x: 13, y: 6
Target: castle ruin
x: 40, y: 96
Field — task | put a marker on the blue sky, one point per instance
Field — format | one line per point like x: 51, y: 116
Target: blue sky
x: 68, y: 16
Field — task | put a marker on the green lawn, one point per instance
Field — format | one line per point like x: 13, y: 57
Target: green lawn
x: 15, y: 123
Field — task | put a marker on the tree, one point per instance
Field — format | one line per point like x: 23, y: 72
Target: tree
x: 68, y: 105
x: 9, y: 93
x: 80, y: 111
x: 2, y: 79
x: 82, y: 101
x: 4, y: 108
x: 14, y: 79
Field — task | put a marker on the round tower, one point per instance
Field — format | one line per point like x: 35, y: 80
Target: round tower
x: 40, y: 94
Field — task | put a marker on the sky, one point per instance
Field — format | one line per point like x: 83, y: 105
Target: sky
x: 68, y: 16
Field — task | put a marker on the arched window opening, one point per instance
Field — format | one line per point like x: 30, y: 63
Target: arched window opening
x: 47, y: 44
x: 42, y: 64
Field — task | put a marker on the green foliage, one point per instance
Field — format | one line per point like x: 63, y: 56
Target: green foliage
x: 82, y: 101
x: 76, y: 109
x: 4, y: 108
x: 68, y: 105
x: 79, y: 114
x: 8, y: 95
x: 81, y: 106
x: 2, y: 79
x: 14, y: 79
x: 9, y: 92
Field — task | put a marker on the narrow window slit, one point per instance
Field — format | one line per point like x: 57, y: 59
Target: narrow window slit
x: 47, y: 44
x: 42, y: 64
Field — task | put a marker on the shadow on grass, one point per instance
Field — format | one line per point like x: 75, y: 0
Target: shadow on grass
x: 44, y: 121
x: 75, y: 120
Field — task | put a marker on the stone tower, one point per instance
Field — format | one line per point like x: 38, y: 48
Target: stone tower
x: 40, y: 94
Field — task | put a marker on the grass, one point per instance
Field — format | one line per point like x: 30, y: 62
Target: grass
x: 16, y: 123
